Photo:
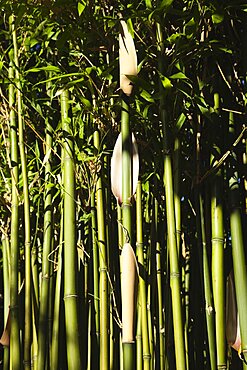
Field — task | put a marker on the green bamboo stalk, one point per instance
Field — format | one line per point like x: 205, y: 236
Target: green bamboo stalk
x: 171, y: 225
x: 46, y: 265
x: 149, y: 306
x: 14, y: 237
x: 70, y: 250
x: 103, y: 281
x: 6, y: 289
x: 126, y: 169
x: 173, y: 256
x: 120, y: 228
x: 202, y: 251
x: 218, y: 259
x: 139, y: 340
x: 159, y: 291
x: 54, y: 352
x: 128, y: 348
x: 142, y: 282
x: 218, y: 268
x: 95, y: 284
x: 34, y: 352
x: 89, y: 352
x: 238, y: 250
x: 209, y: 311
x: 27, y: 226
x: 177, y: 200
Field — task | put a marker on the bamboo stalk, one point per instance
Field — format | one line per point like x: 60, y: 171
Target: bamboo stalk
x: 14, y: 237
x: 6, y: 287
x: 126, y: 169
x: 127, y: 66
x: 218, y: 260
x: 54, y: 351
x: 103, y: 281
x: 150, y: 267
x: 95, y: 304
x: 27, y: 226
x: 139, y: 340
x: 142, y: 282
x: 46, y: 265
x: 70, y: 250
x: 177, y: 200
x: 171, y: 226
x: 128, y: 348
x: 238, y: 250
x: 202, y: 251
x: 209, y: 309
x: 159, y: 291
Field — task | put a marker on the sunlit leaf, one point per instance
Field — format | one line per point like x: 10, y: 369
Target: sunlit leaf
x: 179, y: 76
x: 165, y: 82
x: 217, y: 18
x: 81, y: 6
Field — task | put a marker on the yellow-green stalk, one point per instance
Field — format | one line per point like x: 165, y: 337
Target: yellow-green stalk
x: 27, y: 225
x: 6, y: 287
x: 54, y: 350
x: 142, y: 282
x: 103, y: 279
x: 70, y: 249
x: 46, y: 264
x: 238, y: 250
x: 217, y: 239
x: 128, y: 66
x: 14, y: 236
x: 175, y: 280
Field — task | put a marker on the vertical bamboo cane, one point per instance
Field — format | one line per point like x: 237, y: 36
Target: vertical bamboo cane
x: 95, y: 305
x: 27, y: 226
x: 54, y: 353
x: 171, y: 226
x: 218, y: 260
x: 128, y: 66
x: 103, y: 281
x: 209, y: 310
x: 202, y: 251
x: 70, y: 251
x: 14, y: 239
x: 43, y: 313
x: 142, y: 282
x: 238, y: 251
x: 128, y: 348
x: 6, y: 289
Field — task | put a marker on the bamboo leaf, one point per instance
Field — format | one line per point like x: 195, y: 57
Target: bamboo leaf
x: 81, y: 6
x: 217, y: 18
x: 165, y: 81
x: 178, y: 76
x: 45, y: 68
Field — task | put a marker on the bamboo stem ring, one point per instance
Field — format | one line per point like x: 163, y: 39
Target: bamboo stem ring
x: 174, y: 275
x: 70, y: 296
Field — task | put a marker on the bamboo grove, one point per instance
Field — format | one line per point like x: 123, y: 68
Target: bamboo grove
x: 123, y: 185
